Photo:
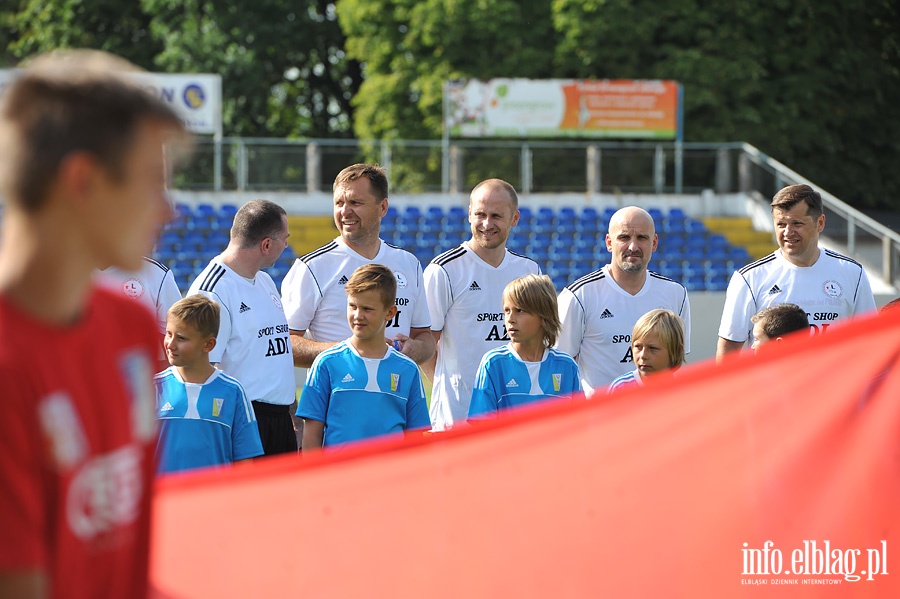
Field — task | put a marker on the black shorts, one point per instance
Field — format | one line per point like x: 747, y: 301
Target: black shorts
x: 276, y: 428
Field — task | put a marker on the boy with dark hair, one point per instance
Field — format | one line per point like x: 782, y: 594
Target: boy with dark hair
x: 83, y: 178
x: 363, y: 387
x: 774, y: 322
x: 205, y: 416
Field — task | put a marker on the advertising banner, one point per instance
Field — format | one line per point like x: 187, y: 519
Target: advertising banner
x: 563, y: 108
x: 196, y: 98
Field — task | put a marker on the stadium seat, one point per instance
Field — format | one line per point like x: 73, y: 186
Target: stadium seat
x: 412, y: 211
x: 694, y: 282
x: 656, y: 214
x: 227, y: 211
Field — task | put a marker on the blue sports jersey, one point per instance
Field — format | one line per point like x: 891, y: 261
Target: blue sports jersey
x: 505, y: 381
x: 629, y: 379
x: 203, y: 425
x: 358, y: 398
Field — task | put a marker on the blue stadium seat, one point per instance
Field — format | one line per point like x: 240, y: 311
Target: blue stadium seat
x: 694, y: 226
x: 590, y: 212
x: 716, y: 283
x: 559, y: 282
x: 694, y: 267
x: 459, y: 213
x: 674, y: 225
x: 392, y: 213
x: 412, y: 211
x: 656, y: 214
x: 694, y: 282
x: 677, y: 213
x: 227, y: 211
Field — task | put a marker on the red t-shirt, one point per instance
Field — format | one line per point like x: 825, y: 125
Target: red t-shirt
x: 77, y: 435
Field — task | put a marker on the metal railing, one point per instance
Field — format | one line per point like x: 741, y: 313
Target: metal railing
x: 432, y: 166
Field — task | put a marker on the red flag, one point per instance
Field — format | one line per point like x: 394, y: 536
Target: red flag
x: 776, y: 469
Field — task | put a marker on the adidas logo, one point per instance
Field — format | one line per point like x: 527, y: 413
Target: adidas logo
x: 343, y: 280
x: 348, y: 379
x: 774, y: 290
x: 166, y: 408
x: 244, y: 307
x: 474, y: 286
x: 512, y: 383
x: 606, y: 313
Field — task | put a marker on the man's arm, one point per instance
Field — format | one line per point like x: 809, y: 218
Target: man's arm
x: 419, y: 346
x: 429, y: 365
x: 313, y: 435
x: 28, y: 584
x: 724, y: 346
x: 305, y: 350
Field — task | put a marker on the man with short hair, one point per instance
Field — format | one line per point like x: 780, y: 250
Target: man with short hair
x: 83, y: 181
x: 599, y: 310
x: 313, y: 289
x: 465, y: 296
x: 828, y: 286
x: 253, y: 344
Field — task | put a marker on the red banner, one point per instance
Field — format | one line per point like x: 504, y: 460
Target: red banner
x: 777, y: 469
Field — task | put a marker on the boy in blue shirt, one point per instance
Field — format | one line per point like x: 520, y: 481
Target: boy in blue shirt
x: 657, y: 344
x: 205, y: 417
x: 363, y: 387
x: 527, y: 369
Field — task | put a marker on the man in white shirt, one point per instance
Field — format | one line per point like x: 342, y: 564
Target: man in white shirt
x: 599, y: 310
x: 828, y: 286
x: 313, y: 290
x: 253, y: 343
x: 465, y: 295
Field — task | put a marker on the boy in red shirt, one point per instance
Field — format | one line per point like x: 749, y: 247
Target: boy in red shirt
x: 83, y: 177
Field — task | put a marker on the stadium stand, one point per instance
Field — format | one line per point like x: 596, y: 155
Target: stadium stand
x: 567, y: 242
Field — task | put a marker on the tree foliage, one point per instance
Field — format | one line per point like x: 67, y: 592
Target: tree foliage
x: 814, y: 84
x: 282, y: 64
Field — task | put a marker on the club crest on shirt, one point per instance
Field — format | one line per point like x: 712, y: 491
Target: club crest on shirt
x: 276, y: 300
x: 217, y: 406
x: 401, y: 280
x: 557, y: 381
x: 395, y: 381
x: 133, y: 288
x: 833, y: 289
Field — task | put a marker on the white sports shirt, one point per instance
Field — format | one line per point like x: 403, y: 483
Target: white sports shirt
x: 465, y: 296
x: 314, y: 297
x: 253, y: 344
x: 153, y: 285
x: 598, y: 318
x: 834, y: 288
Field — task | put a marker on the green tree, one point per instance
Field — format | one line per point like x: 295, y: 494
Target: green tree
x: 29, y: 27
x: 814, y: 84
x: 282, y: 64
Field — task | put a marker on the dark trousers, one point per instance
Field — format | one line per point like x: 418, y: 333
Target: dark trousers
x: 276, y: 429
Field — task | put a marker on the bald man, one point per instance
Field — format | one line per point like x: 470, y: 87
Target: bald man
x: 599, y: 310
